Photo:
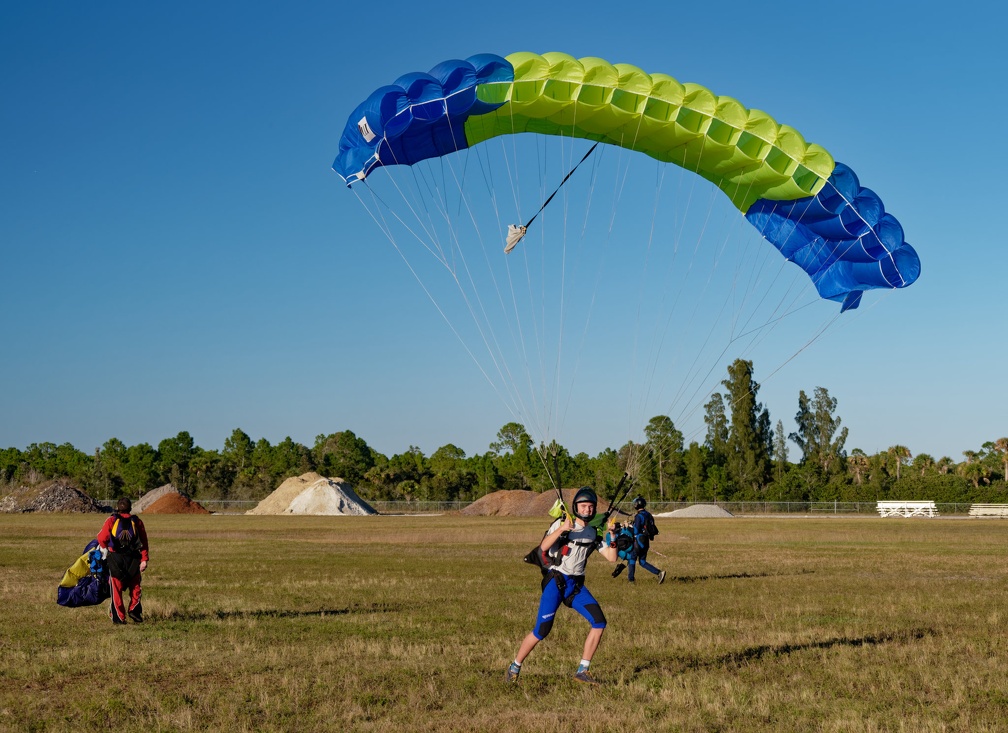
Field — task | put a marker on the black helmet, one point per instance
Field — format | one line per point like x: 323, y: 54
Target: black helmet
x: 639, y: 503
x: 585, y: 493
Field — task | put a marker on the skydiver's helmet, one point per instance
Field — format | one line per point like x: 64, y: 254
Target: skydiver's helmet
x: 639, y: 503
x: 585, y: 493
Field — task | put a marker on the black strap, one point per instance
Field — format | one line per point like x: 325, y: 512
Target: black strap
x: 529, y: 222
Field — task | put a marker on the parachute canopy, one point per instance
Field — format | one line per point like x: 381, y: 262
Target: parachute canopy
x: 811, y: 208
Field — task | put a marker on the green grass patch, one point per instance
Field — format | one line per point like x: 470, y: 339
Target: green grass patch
x: 407, y: 624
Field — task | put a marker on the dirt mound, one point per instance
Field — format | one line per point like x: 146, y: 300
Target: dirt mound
x: 311, y: 493
x: 53, y: 497
x: 710, y: 511
x: 175, y: 503
x: 516, y: 503
x: 141, y: 504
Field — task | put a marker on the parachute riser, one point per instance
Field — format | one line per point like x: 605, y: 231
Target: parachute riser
x: 619, y: 495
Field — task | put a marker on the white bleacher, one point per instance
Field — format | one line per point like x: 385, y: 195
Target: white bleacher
x: 989, y: 510
x: 907, y: 509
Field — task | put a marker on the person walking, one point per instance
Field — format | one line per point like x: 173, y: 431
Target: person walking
x: 123, y: 544
x: 644, y: 530
x: 568, y: 544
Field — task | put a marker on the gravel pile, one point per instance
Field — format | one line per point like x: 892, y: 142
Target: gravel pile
x: 313, y: 494
x: 710, y: 511
x: 54, y: 497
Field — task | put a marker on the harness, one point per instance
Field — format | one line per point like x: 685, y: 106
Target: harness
x: 555, y: 576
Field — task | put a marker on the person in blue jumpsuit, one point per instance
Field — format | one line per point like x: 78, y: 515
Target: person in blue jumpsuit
x: 642, y: 540
x: 568, y: 544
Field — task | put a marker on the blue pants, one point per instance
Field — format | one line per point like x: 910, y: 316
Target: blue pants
x: 580, y: 599
x: 641, y: 559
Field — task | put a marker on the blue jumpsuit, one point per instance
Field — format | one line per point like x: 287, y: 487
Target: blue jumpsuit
x: 642, y: 543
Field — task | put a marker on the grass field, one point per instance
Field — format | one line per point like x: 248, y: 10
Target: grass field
x: 407, y: 624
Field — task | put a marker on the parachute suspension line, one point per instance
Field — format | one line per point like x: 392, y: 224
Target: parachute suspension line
x: 556, y: 414
x: 829, y: 323
x: 657, y: 345
x: 515, y: 233
x: 763, y: 330
x: 671, y: 311
x: 737, y: 308
x: 565, y: 179
x: 496, y: 350
x: 383, y: 226
x: 523, y: 324
x: 645, y: 388
x: 797, y: 282
x: 516, y: 324
x: 481, y: 320
x: 563, y: 404
x: 486, y: 168
x: 441, y: 258
x: 663, y: 332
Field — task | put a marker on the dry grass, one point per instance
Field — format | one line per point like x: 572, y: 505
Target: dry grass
x: 407, y: 623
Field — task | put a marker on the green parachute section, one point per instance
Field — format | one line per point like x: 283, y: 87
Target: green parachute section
x: 744, y: 152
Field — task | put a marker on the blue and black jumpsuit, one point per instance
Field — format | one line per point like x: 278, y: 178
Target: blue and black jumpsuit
x: 564, y: 582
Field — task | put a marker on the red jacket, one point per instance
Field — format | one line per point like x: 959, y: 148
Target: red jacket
x: 105, y: 535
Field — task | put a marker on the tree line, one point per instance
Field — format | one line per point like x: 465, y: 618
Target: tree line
x: 742, y: 457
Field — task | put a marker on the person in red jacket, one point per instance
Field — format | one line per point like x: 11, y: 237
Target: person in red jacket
x: 123, y: 543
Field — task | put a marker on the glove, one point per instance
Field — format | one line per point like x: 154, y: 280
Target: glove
x: 104, y: 552
x: 143, y: 565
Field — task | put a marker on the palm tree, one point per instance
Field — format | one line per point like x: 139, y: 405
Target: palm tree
x: 974, y: 472
x: 923, y: 462
x: 858, y: 460
x: 901, y: 454
x: 1001, y: 446
x: 944, y: 465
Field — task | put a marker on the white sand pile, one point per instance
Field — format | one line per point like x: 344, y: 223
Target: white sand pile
x: 151, y: 496
x: 712, y: 511
x: 315, y: 495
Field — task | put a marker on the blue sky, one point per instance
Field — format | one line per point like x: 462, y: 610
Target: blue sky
x: 178, y: 255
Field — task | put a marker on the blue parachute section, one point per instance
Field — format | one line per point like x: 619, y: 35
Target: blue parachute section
x: 417, y: 117
x: 842, y: 237
x: 86, y: 582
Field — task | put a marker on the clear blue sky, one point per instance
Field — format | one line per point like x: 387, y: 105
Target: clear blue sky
x: 178, y: 255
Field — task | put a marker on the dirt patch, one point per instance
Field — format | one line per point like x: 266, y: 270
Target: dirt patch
x: 175, y: 503
x: 141, y: 504
x: 56, y: 496
x: 516, y: 503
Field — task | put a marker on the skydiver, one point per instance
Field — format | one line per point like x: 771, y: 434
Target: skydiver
x: 123, y: 542
x: 569, y: 542
x: 644, y: 530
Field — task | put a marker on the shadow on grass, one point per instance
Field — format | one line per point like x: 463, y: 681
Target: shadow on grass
x: 730, y: 576
x: 757, y: 653
x: 268, y: 613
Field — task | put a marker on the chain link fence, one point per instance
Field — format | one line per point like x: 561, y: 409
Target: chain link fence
x: 738, y: 508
